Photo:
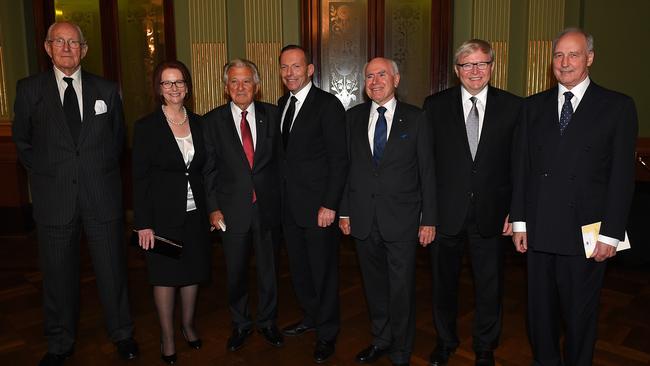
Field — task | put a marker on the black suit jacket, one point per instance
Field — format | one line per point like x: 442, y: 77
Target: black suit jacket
x: 314, y: 165
x: 487, y: 179
x: 229, y: 179
x: 60, y: 170
x: 400, y: 192
x: 583, y: 176
x: 160, y: 176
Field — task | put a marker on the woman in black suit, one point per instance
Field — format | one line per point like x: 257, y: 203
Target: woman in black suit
x: 168, y: 158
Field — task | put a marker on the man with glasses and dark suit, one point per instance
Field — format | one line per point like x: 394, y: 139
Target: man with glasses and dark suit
x: 474, y: 125
x: 69, y: 133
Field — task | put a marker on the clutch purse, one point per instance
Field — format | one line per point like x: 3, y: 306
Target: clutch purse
x: 163, y: 246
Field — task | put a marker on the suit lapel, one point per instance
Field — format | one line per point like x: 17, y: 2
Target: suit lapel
x: 397, y: 130
x: 300, y: 121
x: 361, y: 130
x: 262, y: 126
x: 196, y: 132
x: 490, y: 121
x: 89, y: 96
x: 52, y: 97
x: 458, y: 121
x: 586, y: 111
x: 232, y: 131
x: 171, y: 139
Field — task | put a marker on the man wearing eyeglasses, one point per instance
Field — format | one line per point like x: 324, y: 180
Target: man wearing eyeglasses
x: 69, y: 133
x: 473, y: 125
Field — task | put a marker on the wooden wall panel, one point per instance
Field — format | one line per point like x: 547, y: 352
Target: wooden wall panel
x: 264, y: 42
x: 545, y: 20
x: 208, y: 39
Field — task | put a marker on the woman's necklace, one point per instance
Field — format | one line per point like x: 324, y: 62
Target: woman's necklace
x: 172, y: 122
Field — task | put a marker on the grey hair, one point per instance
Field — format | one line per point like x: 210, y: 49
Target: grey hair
x: 588, y: 37
x: 393, y: 65
x: 81, y: 34
x: 472, y: 46
x: 241, y: 62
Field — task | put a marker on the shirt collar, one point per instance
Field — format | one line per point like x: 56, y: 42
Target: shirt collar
x: 237, y: 111
x: 302, y: 94
x: 390, y: 106
x: 59, y: 75
x: 481, y: 96
x: 578, y: 90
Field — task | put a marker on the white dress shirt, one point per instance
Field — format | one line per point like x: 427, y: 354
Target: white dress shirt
x: 250, y: 118
x: 374, y: 115
x: 76, y: 84
x: 186, y: 146
x: 578, y: 93
x: 481, y: 102
x: 301, y: 95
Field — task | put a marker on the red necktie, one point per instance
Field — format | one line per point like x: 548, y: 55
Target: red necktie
x: 247, y: 142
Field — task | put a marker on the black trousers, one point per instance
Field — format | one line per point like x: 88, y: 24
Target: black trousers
x: 59, y: 259
x: 314, y: 264
x: 567, y: 288
x: 486, y: 254
x: 388, y: 270
x: 237, y: 250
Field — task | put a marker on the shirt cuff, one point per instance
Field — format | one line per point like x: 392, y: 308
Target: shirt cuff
x: 607, y: 240
x: 344, y: 217
x: 519, y: 226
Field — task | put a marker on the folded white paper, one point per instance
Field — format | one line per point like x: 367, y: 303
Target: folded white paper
x: 590, y: 238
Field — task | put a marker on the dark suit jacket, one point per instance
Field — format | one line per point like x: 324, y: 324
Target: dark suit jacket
x: 486, y: 179
x: 60, y: 170
x: 583, y: 176
x: 160, y: 176
x: 229, y: 179
x: 401, y: 191
x: 314, y: 166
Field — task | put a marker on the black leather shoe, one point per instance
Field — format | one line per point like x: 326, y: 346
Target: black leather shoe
x: 440, y: 356
x: 168, y: 359
x: 127, y: 349
x: 296, y: 329
x: 237, y: 338
x: 272, y: 336
x: 52, y: 359
x: 370, y: 354
x: 323, y: 351
x: 196, y: 344
x: 484, y: 358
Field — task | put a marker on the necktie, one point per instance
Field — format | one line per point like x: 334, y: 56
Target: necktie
x: 471, y: 125
x: 567, y: 111
x: 247, y: 143
x: 379, y: 141
x: 71, y: 109
x: 288, y: 119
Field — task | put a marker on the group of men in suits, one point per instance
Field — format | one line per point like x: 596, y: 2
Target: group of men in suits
x: 390, y: 174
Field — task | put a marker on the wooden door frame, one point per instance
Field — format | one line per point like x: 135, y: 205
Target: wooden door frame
x: 441, y: 36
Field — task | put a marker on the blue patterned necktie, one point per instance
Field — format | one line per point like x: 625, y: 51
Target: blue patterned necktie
x: 567, y: 111
x: 379, y: 141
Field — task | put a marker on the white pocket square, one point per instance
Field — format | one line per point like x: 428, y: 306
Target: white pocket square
x: 100, y: 107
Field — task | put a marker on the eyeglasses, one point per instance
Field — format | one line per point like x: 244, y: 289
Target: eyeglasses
x: 180, y: 84
x: 470, y: 65
x: 60, y: 42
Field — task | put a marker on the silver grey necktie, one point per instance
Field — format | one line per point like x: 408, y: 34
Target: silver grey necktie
x: 472, y: 128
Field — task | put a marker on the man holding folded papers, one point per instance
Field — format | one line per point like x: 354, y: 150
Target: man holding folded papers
x: 575, y: 166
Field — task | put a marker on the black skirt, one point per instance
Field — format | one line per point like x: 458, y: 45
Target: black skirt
x: 193, y: 267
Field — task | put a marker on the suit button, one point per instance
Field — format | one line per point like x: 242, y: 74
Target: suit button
x: 545, y: 174
x: 376, y: 174
x: 473, y: 171
x: 470, y: 195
